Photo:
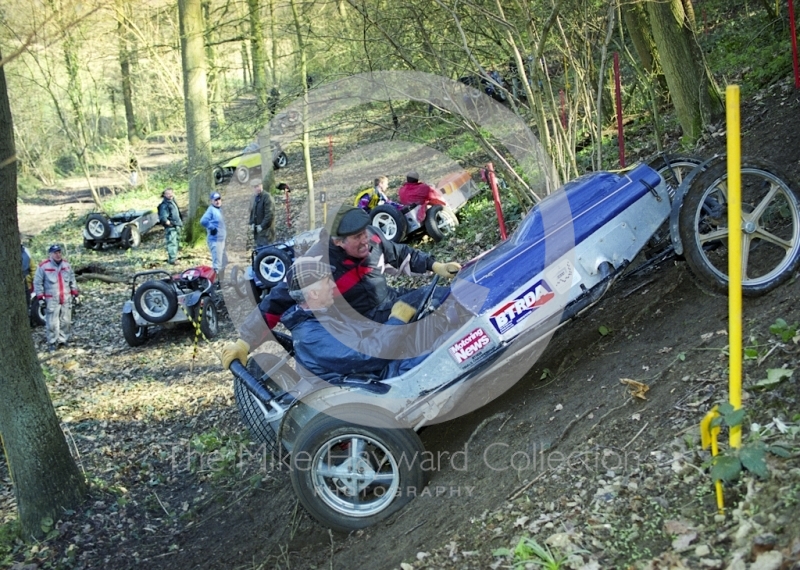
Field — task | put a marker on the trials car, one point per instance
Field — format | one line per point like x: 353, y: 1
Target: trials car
x: 241, y: 165
x: 161, y: 298
x: 124, y: 229
x: 351, y: 444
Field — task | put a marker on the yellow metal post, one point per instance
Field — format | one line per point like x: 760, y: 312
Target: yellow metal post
x: 734, y: 255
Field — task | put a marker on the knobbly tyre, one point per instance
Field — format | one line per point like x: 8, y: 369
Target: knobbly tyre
x: 352, y: 445
x: 161, y: 298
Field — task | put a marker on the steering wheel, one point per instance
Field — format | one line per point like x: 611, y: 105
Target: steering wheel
x: 427, y: 300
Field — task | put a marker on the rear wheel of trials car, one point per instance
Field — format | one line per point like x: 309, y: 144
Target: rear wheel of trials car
x: 238, y: 281
x: 218, y: 174
x: 133, y: 333
x: 390, y: 221
x: 280, y: 161
x: 271, y: 264
x: 353, y: 467
x: 97, y: 226
x: 209, y: 318
x: 130, y: 236
x: 36, y: 313
x: 440, y: 222
x: 770, y: 227
x: 242, y: 174
x: 250, y: 412
x: 156, y: 301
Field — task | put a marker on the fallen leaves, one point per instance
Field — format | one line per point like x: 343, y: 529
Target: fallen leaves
x: 637, y: 389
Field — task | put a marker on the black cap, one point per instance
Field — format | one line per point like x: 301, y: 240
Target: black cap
x: 349, y: 221
x: 413, y: 176
x: 54, y: 248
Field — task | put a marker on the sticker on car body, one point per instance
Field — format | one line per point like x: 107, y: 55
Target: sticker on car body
x: 563, y: 276
x: 469, y: 345
x: 514, y: 312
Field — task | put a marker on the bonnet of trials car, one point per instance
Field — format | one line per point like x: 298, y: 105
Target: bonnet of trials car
x: 551, y: 229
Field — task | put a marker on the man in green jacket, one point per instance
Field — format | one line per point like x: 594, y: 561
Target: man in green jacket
x: 170, y: 218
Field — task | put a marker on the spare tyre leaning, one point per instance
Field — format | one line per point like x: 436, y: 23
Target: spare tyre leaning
x: 156, y: 301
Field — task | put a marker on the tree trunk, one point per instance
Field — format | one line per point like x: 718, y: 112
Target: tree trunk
x: 123, y: 14
x: 639, y: 31
x: 198, y: 127
x: 45, y: 477
x: 258, y: 52
x: 214, y: 83
x: 274, y: 41
x: 691, y: 87
x: 301, y: 48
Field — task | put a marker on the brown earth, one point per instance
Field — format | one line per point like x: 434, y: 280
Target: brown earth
x: 567, y: 455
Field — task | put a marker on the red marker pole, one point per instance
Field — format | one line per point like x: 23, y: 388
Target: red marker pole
x: 793, y: 31
x: 496, y: 195
x: 618, y: 86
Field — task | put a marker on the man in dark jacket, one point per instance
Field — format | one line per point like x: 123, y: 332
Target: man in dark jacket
x: 262, y: 215
x: 361, y: 257
x: 170, y: 217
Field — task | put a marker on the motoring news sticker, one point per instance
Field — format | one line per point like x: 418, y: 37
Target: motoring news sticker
x: 514, y: 312
x: 469, y: 345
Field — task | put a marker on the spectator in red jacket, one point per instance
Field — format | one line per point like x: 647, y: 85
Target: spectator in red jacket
x: 416, y: 192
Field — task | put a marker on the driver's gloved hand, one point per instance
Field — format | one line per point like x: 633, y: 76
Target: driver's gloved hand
x: 235, y: 351
x: 213, y: 232
x: 447, y: 270
x: 402, y: 311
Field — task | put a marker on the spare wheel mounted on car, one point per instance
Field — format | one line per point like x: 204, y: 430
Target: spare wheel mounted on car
x: 98, y: 226
x: 440, y: 222
x: 156, y: 301
x: 271, y: 265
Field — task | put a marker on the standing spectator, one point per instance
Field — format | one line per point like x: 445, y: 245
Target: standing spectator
x: 262, y: 215
x: 55, y: 288
x: 170, y: 217
x: 416, y: 192
x: 214, y: 224
x: 27, y: 269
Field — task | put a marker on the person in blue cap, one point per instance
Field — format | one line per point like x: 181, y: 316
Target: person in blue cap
x: 214, y: 224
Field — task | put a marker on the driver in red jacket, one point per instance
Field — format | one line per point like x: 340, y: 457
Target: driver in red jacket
x: 416, y: 192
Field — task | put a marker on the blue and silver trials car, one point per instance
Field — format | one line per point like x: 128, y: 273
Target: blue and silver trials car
x: 352, y: 446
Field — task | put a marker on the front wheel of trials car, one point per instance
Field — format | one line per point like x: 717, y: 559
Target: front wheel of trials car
x: 97, y: 226
x: 242, y: 174
x: 353, y: 467
x: 130, y: 236
x: 770, y: 227
x: 156, y: 301
x: 255, y: 415
x: 440, y: 222
x: 271, y: 265
x: 133, y: 333
x: 390, y: 221
x: 209, y: 317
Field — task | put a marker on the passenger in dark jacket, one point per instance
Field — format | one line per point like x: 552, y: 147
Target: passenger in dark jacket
x: 361, y: 257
